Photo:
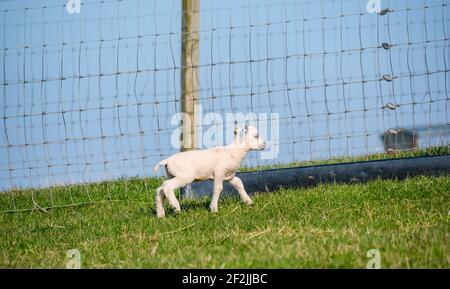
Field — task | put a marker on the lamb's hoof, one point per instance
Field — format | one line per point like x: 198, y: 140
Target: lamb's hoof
x: 161, y: 215
x: 249, y: 202
x: 177, y: 210
x: 214, y: 210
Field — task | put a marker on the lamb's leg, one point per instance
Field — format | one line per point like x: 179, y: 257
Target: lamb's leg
x: 239, y: 186
x: 169, y: 188
x: 218, y: 186
x: 159, y: 200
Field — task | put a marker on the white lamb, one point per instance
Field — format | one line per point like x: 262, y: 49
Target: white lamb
x: 218, y: 164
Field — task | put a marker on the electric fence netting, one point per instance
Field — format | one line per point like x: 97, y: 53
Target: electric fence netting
x: 92, y: 97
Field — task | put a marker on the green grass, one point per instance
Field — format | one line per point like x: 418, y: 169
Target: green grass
x: 325, y: 226
x: 32, y: 199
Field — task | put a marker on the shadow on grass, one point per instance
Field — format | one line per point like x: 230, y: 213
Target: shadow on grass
x: 186, y: 206
x: 203, y: 204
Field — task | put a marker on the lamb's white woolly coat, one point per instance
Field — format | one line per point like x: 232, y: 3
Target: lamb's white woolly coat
x: 218, y: 164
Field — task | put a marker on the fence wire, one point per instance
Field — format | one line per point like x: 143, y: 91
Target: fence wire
x: 90, y: 97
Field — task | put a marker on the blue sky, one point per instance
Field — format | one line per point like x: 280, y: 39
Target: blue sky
x: 299, y: 59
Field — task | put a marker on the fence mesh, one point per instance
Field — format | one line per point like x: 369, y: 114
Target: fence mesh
x: 91, y: 96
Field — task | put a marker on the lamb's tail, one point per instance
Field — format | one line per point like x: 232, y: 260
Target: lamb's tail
x: 160, y: 164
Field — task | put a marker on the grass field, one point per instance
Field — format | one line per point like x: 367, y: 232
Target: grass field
x: 325, y: 226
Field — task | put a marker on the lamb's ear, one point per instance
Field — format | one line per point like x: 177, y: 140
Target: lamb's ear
x: 238, y: 133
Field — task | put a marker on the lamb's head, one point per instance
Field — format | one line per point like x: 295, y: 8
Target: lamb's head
x: 252, y: 140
